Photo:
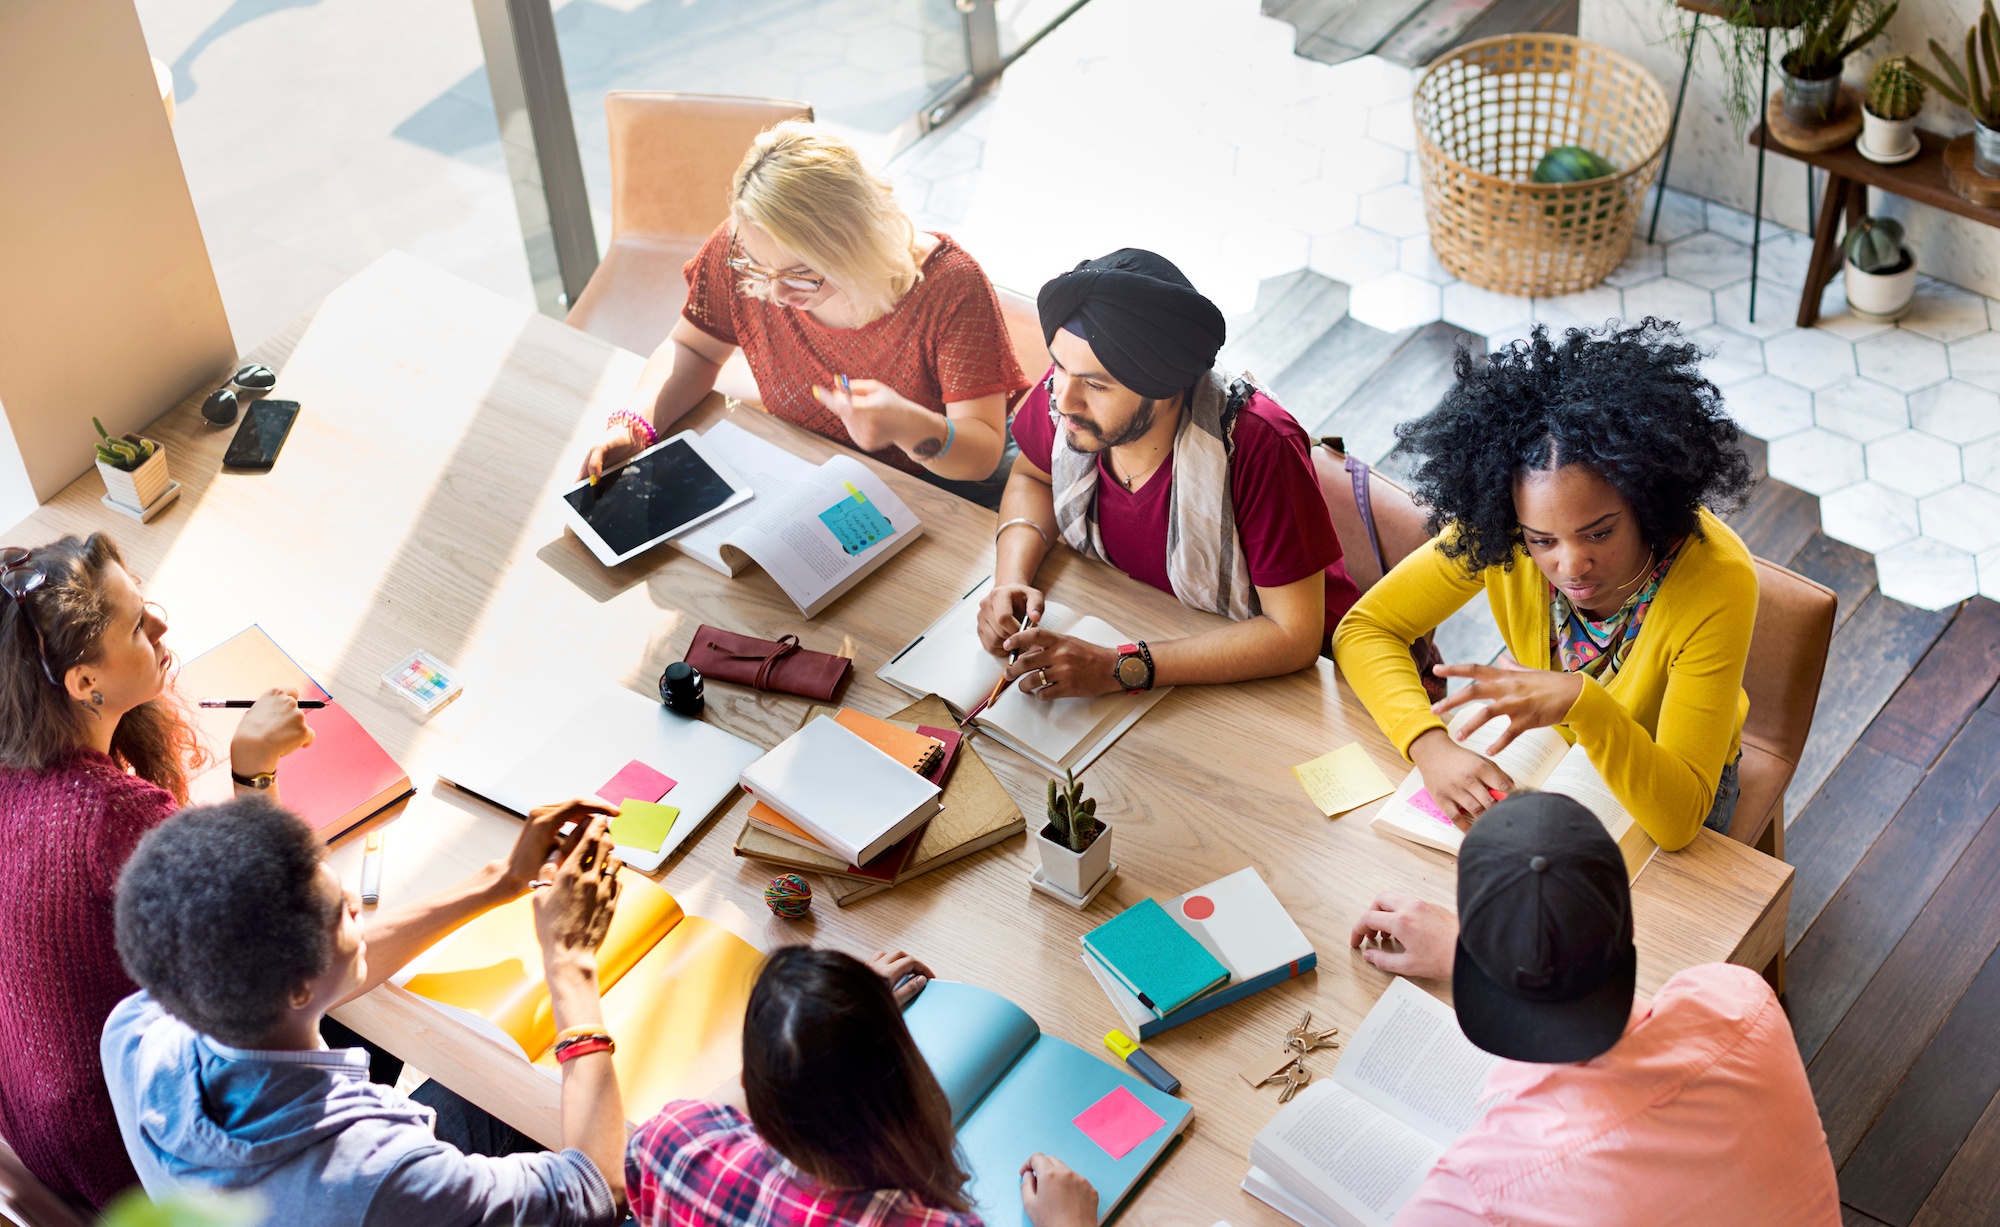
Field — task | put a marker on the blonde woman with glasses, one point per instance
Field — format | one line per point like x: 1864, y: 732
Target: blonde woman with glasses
x: 854, y: 323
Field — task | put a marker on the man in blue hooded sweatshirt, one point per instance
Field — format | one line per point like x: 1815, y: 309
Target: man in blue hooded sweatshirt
x: 241, y: 937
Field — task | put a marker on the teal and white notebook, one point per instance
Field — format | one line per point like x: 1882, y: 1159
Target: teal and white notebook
x: 1015, y: 1091
x: 1158, y: 961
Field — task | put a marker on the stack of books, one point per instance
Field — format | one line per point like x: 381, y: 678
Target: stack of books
x: 975, y: 812
x: 1164, y: 964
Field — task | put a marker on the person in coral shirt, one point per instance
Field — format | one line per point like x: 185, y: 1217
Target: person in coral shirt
x: 1607, y: 1109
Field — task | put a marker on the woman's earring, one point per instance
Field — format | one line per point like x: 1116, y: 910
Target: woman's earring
x: 97, y: 698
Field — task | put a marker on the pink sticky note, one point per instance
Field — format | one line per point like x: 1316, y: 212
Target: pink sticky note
x: 1423, y: 801
x: 1427, y: 803
x: 637, y: 781
x: 1118, y: 1122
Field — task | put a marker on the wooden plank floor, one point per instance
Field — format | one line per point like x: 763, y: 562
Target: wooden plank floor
x: 1893, y: 980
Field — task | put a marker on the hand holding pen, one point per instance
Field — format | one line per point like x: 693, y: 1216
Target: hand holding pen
x: 994, y: 696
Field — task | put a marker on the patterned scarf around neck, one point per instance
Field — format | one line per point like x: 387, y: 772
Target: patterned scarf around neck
x: 1205, y: 562
x: 1598, y: 648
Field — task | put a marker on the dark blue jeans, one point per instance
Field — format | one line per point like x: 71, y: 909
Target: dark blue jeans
x: 1723, y: 812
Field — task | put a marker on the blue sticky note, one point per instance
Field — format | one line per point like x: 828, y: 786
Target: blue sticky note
x: 856, y: 524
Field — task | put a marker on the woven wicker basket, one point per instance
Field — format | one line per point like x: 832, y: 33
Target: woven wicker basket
x: 1487, y: 113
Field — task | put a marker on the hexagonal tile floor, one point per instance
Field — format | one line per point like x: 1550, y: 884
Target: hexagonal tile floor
x: 1296, y: 164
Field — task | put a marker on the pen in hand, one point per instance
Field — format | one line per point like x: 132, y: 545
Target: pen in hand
x: 305, y: 704
x: 998, y: 686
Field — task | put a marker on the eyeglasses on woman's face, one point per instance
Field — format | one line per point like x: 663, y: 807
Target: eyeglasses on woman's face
x: 784, y: 279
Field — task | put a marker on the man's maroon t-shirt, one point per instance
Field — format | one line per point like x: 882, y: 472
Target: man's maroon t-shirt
x: 1281, y: 519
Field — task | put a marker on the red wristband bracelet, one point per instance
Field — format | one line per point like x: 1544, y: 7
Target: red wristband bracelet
x: 583, y: 1047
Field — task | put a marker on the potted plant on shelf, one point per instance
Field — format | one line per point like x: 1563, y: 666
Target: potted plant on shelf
x: 1881, y: 274
x: 1977, y: 92
x: 134, y: 469
x: 1820, y: 47
x: 1889, y: 112
x: 1075, y: 845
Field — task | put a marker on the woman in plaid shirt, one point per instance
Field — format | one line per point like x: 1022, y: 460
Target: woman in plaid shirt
x: 846, y: 1124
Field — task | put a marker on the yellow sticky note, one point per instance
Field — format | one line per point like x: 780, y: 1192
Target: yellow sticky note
x: 855, y: 491
x: 643, y: 824
x: 1339, y: 781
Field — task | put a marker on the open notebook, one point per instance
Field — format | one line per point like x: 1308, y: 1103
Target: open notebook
x: 1538, y: 760
x: 675, y: 988
x: 1015, y: 1091
x: 815, y: 529
x: 1058, y: 735
x: 1349, y: 1151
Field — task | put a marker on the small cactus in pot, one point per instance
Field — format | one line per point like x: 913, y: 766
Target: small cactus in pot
x: 1075, y: 844
x: 1880, y: 273
x: 1889, y: 112
x: 134, y: 470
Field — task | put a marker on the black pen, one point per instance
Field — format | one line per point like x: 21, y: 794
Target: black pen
x: 309, y: 704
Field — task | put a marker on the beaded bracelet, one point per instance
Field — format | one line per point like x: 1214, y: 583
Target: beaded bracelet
x: 636, y: 424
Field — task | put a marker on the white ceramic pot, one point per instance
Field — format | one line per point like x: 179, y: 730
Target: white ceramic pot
x: 143, y: 486
x: 1881, y: 297
x: 1886, y: 140
x: 1074, y: 872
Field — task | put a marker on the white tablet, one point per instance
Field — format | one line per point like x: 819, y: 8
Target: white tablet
x: 658, y: 494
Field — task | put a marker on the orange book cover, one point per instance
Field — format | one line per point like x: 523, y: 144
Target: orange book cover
x: 914, y: 750
x: 343, y: 778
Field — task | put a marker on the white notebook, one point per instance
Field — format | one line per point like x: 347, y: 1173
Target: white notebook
x: 517, y: 759
x: 1352, y: 1149
x: 815, y: 529
x: 845, y: 793
x: 1058, y: 735
x: 1537, y: 760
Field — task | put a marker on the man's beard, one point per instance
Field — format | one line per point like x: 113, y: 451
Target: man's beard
x: 1134, y: 430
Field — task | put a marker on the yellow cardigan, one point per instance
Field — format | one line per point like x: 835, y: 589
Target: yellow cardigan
x: 1660, y: 732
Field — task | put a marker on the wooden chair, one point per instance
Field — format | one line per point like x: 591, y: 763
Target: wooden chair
x: 672, y: 156
x: 1024, y: 331
x: 1399, y: 522
x: 1787, y: 656
x: 24, y: 1199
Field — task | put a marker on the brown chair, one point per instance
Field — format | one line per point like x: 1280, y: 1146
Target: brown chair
x: 26, y: 1200
x: 672, y: 156
x: 1399, y: 522
x: 1024, y: 332
x: 1788, y: 649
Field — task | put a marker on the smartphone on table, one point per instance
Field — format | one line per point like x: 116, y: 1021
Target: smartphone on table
x: 264, y: 430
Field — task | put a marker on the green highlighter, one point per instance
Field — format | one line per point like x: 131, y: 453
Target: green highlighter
x: 643, y: 824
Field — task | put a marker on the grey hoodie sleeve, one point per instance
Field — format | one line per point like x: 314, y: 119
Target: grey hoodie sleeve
x: 445, y: 1188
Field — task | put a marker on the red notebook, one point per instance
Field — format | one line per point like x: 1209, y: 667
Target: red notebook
x: 342, y: 779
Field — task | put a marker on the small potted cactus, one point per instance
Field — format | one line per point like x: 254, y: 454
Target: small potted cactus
x: 1075, y: 846
x: 134, y: 469
x: 1881, y: 274
x: 1889, y: 112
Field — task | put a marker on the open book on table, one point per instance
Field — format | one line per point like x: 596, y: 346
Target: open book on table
x: 1015, y: 1091
x: 1349, y: 1151
x: 817, y: 529
x: 1538, y: 760
x: 1056, y: 734
x: 674, y: 989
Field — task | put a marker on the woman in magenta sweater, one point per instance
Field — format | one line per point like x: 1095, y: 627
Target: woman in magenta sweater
x: 93, y: 754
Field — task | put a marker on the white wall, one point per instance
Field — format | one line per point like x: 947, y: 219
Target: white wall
x: 1712, y: 161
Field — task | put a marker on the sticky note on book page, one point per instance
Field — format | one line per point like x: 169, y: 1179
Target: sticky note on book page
x: 1339, y: 781
x: 643, y: 824
x: 637, y: 781
x: 1118, y: 1122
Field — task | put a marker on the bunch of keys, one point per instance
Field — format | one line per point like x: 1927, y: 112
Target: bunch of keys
x: 1292, y: 1072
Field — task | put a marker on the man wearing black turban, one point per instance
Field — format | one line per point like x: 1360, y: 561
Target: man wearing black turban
x: 1138, y: 450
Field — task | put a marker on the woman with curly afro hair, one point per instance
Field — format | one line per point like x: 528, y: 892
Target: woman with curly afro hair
x: 1574, y: 482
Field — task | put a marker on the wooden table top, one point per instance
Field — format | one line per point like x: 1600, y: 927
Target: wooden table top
x: 414, y: 506
x: 1920, y: 179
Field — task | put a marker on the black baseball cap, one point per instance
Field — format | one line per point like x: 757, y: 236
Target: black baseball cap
x: 1545, y: 964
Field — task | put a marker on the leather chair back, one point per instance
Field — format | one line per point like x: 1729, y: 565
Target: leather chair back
x: 672, y: 156
x: 1788, y: 647
x: 25, y: 1199
x: 1399, y: 522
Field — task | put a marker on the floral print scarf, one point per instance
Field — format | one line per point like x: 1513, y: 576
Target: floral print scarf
x: 1596, y: 648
